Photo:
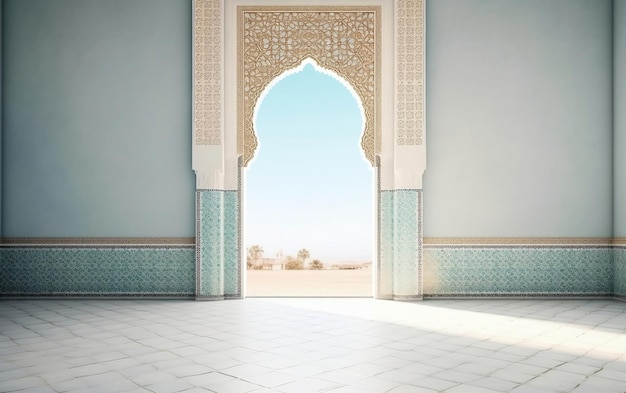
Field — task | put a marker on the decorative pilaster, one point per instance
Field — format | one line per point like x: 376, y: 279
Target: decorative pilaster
x: 407, y: 233
x: 400, y: 245
x: 232, y: 246
x: 209, y: 245
x: 218, y: 238
x: 400, y: 215
x: 384, y: 285
x: 216, y: 209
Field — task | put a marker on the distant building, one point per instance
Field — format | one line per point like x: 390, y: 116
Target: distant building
x: 352, y: 266
x: 277, y: 263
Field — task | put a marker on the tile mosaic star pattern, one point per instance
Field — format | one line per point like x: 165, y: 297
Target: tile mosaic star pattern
x: 97, y: 271
x: 526, y: 271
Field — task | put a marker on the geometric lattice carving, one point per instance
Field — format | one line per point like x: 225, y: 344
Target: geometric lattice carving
x: 207, y: 77
x: 273, y: 40
x: 409, y: 72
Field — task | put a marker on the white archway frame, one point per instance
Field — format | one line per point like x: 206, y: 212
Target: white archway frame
x: 220, y: 147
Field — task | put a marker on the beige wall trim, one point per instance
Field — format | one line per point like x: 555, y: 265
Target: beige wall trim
x: 191, y: 241
x: 98, y: 241
x: 521, y: 241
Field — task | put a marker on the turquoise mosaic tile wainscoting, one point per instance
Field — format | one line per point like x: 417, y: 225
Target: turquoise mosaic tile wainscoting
x: 495, y: 270
x: 232, y: 245
x: 97, y: 270
x: 384, y: 272
x: 218, y: 235
x: 209, y: 252
x: 619, y: 262
x: 400, y: 244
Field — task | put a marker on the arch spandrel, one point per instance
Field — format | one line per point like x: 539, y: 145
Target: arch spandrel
x: 273, y: 40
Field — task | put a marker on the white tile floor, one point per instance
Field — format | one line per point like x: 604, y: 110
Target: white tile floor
x: 313, y: 345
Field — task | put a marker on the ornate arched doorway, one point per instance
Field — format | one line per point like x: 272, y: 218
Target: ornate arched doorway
x: 240, y: 46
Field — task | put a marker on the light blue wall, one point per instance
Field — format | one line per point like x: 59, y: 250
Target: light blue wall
x: 96, y: 142
x: 518, y: 118
x: 619, y: 94
x: 1, y: 153
x: 97, y: 118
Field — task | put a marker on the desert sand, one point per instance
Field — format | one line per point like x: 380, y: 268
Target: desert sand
x: 309, y: 283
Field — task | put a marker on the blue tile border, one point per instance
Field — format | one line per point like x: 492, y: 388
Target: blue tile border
x: 97, y: 271
x: 492, y: 271
x: 449, y: 271
x: 619, y: 275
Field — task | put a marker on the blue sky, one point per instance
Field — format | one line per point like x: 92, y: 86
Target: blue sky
x: 309, y: 185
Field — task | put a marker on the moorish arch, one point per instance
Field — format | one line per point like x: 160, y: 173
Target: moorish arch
x: 274, y: 40
x: 285, y: 74
x: 240, y: 47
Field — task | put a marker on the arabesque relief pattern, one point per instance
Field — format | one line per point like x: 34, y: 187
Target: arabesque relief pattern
x: 207, y: 72
x: 409, y: 72
x: 273, y: 40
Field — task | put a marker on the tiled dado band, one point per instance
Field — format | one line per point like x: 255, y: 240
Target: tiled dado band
x: 451, y: 267
x: 496, y: 267
x: 218, y: 234
x: 619, y: 272
x: 97, y: 267
x: 400, y: 245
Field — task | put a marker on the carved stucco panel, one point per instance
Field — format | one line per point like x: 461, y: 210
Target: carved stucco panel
x: 207, y: 72
x: 272, y: 40
x: 409, y: 72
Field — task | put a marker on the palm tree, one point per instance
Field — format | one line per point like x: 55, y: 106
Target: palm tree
x: 292, y: 263
x: 303, y: 255
x: 250, y: 258
x: 316, y: 265
x: 255, y: 254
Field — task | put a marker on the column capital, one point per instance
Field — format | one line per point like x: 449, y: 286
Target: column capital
x: 210, y: 180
